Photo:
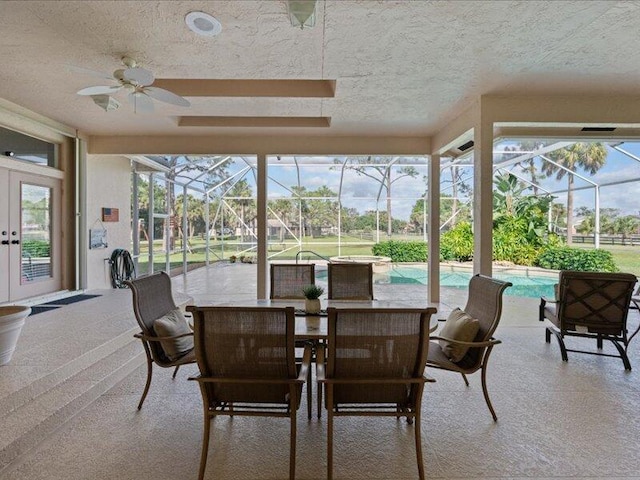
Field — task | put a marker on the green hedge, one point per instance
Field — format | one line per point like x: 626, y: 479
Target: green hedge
x: 36, y: 248
x: 568, y: 258
x: 399, y: 251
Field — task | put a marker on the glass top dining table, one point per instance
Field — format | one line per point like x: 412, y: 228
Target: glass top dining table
x: 314, y: 327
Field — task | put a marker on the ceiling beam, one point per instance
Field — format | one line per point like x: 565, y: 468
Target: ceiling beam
x: 248, y: 88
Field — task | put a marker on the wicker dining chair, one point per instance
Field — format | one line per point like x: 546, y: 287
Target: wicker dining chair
x: 484, y: 310
x: 350, y: 281
x: 248, y: 367
x: 288, y: 279
x: 375, y: 366
x: 591, y: 305
x: 152, y: 300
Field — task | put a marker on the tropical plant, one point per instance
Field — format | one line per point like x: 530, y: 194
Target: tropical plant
x: 312, y: 292
x: 588, y: 156
x: 531, y: 211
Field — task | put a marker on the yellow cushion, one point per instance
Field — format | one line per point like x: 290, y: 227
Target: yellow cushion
x: 459, y: 326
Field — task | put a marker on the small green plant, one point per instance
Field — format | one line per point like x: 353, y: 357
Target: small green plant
x: 312, y: 292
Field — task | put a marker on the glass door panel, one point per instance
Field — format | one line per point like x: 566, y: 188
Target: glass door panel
x: 36, y: 233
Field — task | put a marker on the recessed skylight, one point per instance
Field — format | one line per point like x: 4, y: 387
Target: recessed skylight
x: 203, y: 24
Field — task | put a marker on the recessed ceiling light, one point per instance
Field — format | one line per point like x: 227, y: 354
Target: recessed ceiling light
x: 203, y: 24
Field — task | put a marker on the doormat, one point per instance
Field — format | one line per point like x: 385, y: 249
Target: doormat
x: 36, y: 309
x: 70, y: 300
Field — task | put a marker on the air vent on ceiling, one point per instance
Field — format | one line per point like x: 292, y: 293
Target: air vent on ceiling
x: 598, y: 129
x: 466, y: 146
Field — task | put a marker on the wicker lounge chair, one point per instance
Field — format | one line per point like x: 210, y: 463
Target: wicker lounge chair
x: 350, y: 281
x: 591, y: 305
x: 485, y: 305
x: 375, y: 365
x: 152, y: 299
x: 247, y: 366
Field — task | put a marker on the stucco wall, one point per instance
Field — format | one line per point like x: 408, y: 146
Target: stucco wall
x: 108, y: 185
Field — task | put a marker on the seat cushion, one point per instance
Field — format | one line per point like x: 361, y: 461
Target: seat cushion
x: 171, y: 325
x: 459, y: 326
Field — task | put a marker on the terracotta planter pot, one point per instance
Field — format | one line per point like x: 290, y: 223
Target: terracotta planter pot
x: 11, y: 322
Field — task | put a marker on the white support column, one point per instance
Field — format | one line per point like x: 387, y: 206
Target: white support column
x: 150, y: 223
x: 597, y: 225
x: 483, y: 196
x: 207, y: 232
x: 433, y: 230
x: 262, y: 227
x: 185, y: 205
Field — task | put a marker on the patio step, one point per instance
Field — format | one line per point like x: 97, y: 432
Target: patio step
x: 31, y: 414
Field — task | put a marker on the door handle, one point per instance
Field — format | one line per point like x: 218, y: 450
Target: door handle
x: 5, y: 242
x: 15, y: 242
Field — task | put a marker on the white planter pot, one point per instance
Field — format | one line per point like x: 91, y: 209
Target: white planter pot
x: 11, y: 322
x: 312, y: 305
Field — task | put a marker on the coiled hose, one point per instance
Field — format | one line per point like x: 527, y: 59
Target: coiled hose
x: 122, y: 268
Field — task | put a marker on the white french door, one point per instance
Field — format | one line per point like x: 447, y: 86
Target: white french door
x: 30, y: 235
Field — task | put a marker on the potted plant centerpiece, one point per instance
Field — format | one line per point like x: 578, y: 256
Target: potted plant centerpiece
x: 312, y: 298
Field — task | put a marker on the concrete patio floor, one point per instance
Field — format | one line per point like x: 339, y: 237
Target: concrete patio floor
x: 68, y: 403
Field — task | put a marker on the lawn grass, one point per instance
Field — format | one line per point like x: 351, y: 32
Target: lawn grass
x: 627, y: 258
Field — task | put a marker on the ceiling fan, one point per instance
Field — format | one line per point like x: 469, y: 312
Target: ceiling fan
x: 135, y: 80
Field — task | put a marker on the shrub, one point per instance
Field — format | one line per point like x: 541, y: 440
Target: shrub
x: 568, y: 258
x: 510, y: 242
x: 36, y: 248
x: 399, y: 251
x: 457, y: 243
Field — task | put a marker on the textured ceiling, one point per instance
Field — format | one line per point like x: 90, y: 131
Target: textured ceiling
x: 402, y: 67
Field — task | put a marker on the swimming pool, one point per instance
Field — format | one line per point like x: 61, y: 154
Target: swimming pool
x: 525, y: 285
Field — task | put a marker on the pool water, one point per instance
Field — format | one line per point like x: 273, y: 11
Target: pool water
x: 523, y: 285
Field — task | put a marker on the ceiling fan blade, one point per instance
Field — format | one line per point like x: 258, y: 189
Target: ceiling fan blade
x: 91, y: 73
x: 141, y: 102
x: 166, y: 96
x: 141, y: 76
x: 99, y: 90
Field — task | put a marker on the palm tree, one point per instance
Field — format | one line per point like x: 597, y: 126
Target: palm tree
x: 241, y: 196
x: 528, y: 167
x: 626, y: 225
x: 588, y: 156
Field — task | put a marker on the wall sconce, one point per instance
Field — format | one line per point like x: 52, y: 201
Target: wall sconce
x: 302, y: 13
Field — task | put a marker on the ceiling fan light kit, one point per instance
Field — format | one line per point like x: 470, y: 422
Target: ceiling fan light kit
x: 302, y: 13
x: 106, y: 102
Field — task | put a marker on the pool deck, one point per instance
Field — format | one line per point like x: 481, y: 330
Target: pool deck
x: 236, y: 282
